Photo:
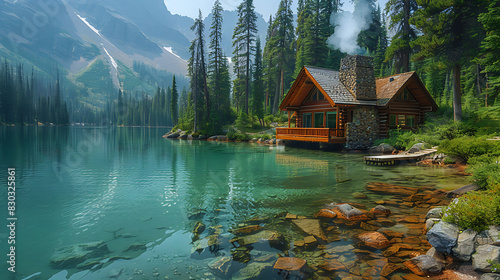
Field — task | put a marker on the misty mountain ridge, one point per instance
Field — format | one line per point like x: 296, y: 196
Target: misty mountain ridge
x: 92, y: 38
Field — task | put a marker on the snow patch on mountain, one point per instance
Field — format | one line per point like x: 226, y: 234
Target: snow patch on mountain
x: 169, y: 49
x: 88, y: 24
x: 113, y: 61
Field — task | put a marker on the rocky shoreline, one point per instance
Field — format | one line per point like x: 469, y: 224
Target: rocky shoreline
x: 182, y: 135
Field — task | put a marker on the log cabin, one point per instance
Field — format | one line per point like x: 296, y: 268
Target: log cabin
x: 350, y: 106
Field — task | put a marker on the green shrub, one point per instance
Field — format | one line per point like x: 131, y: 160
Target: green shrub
x: 231, y: 133
x: 449, y: 160
x: 268, y: 120
x: 468, y: 147
x: 486, y: 175
x: 195, y: 135
x: 243, y: 122
x: 399, y: 139
x: 475, y: 210
x: 266, y: 136
x: 456, y: 130
x: 242, y: 137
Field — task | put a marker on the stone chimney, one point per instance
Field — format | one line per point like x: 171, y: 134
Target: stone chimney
x: 357, y: 75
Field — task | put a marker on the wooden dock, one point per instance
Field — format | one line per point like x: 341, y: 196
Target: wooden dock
x: 392, y: 159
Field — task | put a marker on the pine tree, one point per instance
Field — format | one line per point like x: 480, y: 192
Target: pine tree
x: 218, y: 70
x: 173, y: 103
x: 243, y: 43
x: 491, y: 49
x: 282, y: 45
x: 197, y: 72
x: 258, y: 85
x: 269, y: 65
x: 400, y: 50
x: 450, y: 31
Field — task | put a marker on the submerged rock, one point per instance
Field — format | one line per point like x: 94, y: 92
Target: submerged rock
x: 424, y: 265
x: 197, y: 215
x: 375, y: 240
x: 311, y: 226
x: 274, y: 238
x: 199, y: 228
x: 247, y: 229
x: 358, y: 195
x: 332, y: 265
x: 115, y: 273
x: 71, y: 256
x: 380, y: 210
x: 252, y: 271
x: 136, y: 247
x: 290, y: 264
x: 221, y: 266
x: 348, y: 212
x: 326, y: 213
x: 443, y: 236
x: 387, y: 188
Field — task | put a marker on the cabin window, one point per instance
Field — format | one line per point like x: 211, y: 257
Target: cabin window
x: 318, y: 120
x: 306, y: 120
x: 410, y: 121
x: 316, y: 95
x: 402, y: 120
x: 393, y: 120
x: 405, y: 95
x: 331, y: 119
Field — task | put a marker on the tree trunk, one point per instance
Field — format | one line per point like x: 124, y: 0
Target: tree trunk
x: 457, y: 94
x: 276, y: 98
x: 478, y: 73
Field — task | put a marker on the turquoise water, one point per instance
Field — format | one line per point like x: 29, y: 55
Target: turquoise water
x: 126, y: 186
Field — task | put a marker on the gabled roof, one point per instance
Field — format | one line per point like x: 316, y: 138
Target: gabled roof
x: 388, y: 88
x: 328, y: 82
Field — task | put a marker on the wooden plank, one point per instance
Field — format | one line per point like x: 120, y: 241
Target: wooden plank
x: 394, y: 158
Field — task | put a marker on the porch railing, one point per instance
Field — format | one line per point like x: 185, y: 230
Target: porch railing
x: 327, y: 133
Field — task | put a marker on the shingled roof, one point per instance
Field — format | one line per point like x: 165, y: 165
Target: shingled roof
x: 329, y: 81
x: 388, y: 87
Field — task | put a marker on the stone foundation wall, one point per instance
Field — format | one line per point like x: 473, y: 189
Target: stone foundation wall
x: 364, y: 129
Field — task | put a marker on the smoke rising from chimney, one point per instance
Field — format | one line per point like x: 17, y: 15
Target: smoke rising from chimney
x: 348, y: 26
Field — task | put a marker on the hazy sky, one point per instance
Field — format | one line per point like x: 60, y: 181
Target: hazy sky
x: 265, y: 7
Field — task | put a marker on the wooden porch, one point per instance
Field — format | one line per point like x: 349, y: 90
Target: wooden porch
x: 324, y: 135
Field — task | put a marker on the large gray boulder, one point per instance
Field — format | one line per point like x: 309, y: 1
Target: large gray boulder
x: 465, y: 245
x: 484, y: 254
x: 463, y: 190
x: 443, y: 236
x: 382, y: 149
x: 416, y: 148
x: 489, y: 236
x: 434, y: 213
x: 490, y: 276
